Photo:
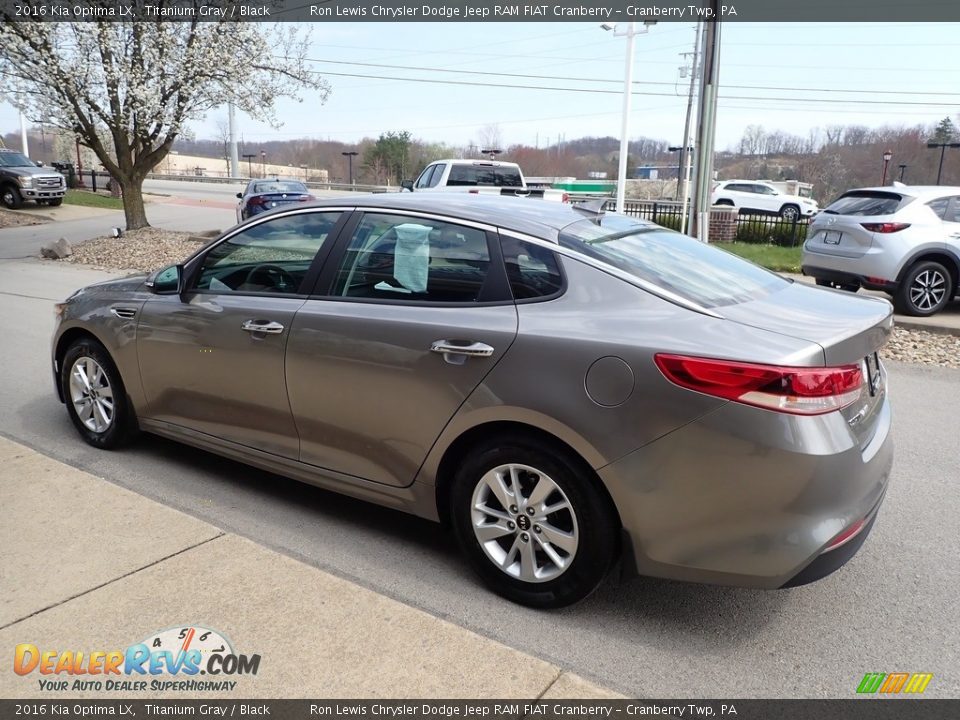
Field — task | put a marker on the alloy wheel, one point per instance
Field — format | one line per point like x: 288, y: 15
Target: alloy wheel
x: 91, y: 394
x: 928, y: 289
x: 525, y: 523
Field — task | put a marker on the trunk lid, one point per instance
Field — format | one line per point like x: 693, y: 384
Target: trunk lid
x: 839, y: 231
x: 851, y: 329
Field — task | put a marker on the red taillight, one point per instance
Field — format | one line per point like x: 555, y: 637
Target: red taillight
x: 795, y: 390
x: 307, y: 198
x: 846, y: 536
x: 256, y: 200
x: 566, y: 197
x: 885, y: 227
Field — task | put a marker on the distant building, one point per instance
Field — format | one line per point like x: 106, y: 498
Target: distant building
x: 656, y: 172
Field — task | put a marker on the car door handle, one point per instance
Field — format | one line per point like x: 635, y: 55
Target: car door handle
x: 453, y: 347
x: 268, y: 327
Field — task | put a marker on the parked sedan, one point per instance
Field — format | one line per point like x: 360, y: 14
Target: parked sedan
x: 903, y: 240
x: 562, y: 388
x: 263, y: 195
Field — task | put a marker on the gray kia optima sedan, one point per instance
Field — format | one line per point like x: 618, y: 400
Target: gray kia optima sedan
x: 565, y: 388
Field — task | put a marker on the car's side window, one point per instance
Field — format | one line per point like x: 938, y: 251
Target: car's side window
x: 738, y: 187
x: 437, y: 174
x: 764, y: 190
x: 533, y: 270
x: 396, y: 257
x: 272, y: 256
x: 939, y: 207
x: 426, y: 176
x: 953, y: 211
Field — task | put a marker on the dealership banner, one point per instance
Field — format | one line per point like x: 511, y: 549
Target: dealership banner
x: 483, y: 10
x: 863, y: 709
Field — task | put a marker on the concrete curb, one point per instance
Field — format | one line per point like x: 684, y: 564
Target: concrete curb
x: 95, y: 567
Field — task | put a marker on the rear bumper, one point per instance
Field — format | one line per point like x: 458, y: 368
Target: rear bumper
x: 750, y: 498
x: 849, y: 278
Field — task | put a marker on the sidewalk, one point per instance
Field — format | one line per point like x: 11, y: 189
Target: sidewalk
x: 89, y: 566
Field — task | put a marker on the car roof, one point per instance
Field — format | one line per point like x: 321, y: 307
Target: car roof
x: 477, y: 161
x: 916, y: 191
x: 533, y: 216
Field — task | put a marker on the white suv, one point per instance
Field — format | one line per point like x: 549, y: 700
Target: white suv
x: 902, y: 239
x: 762, y: 197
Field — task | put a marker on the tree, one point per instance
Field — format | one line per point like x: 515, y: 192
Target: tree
x: 126, y: 89
x: 946, y: 131
x: 388, y: 157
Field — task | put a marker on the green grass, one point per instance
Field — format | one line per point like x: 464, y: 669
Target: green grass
x: 89, y: 199
x: 772, y: 257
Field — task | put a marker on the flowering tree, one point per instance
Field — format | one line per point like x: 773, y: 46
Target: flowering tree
x: 127, y: 88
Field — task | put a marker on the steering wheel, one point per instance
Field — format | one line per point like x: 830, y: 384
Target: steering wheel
x: 271, y: 278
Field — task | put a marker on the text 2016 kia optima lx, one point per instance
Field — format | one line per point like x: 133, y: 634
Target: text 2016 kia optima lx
x: 562, y: 387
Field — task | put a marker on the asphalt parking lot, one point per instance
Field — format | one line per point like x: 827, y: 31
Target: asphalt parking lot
x: 893, y: 608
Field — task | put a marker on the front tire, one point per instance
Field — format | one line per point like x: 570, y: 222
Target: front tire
x: 95, y: 396
x: 56, y: 202
x: 790, y: 213
x: 925, y: 290
x: 10, y: 197
x: 532, y: 524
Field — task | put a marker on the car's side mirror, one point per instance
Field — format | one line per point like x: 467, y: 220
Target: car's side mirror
x: 168, y: 281
x: 39, y: 163
x: 240, y: 195
x: 407, y: 185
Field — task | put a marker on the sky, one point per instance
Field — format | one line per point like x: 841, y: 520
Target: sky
x: 784, y: 76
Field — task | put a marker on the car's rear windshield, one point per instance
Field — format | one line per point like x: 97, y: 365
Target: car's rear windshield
x: 686, y: 267
x: 280, y: 186
x: 866, y: 202
x: 15, y: 159
x: 484, y: 175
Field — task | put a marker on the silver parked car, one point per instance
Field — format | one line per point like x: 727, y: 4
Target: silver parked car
x: 902, y: 239
x: 564, y: 388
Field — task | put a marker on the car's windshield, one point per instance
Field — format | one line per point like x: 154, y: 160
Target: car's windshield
x: 697, y: 272
x: 866, y: 203
x: 279, y: 186
x: 15, y: 159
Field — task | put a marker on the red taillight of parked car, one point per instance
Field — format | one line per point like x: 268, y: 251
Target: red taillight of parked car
x: 885, y: 227
x: 255, y: 200
x: 798, y: 391
x: 307, y: 198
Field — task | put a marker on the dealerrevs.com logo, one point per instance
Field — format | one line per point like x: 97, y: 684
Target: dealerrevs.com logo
x: 169, y: 660
x: 894, y: 683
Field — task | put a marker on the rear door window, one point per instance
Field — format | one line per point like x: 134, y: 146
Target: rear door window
x: 533, y: 270
x: 867, y: 202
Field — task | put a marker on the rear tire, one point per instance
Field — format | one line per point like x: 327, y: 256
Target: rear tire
x: 925, y: 290
x: 10, y: 197
x: 95, y: 396
x: 531, y: 523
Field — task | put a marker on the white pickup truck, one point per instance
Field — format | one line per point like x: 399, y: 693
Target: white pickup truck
x: 487, y: 177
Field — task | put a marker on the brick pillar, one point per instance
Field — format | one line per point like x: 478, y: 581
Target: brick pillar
x: 723, y: 224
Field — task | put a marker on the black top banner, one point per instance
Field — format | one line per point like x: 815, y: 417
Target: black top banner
x: 894, y: 11
x: 540, y: 709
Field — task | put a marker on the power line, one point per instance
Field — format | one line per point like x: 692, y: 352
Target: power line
x: 528, y: 76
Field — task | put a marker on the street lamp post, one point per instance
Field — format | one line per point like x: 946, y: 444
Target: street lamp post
x: 350, y: 154
x: 263, y: 163
x: 943, y: 147
x: 630, y: 33
x: 249, y: 158
x: 887, y: 155
x: 903, y: 169
x: 681, y: 166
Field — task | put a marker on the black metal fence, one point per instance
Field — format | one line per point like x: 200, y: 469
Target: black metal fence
x: 752, y: 227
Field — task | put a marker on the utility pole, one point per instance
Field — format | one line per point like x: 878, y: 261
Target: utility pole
x: 683, y: 174
x: 706, y: 123
x: 234, y: 156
